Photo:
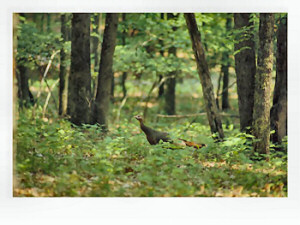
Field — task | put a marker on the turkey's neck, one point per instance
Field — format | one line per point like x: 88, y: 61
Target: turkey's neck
x: 144, y: 128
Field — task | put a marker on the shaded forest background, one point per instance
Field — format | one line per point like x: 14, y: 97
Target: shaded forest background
x: 218, y: 79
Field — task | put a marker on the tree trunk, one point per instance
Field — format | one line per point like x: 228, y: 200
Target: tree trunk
x: 124, y: 75
x: 225, y: 71
x: 48, y: 22
x: 207, y: 87
x: 63, y: 75
x: 171, y: 82
x: 112, y: 89
x: 161, y: 51
x: 225, y: 100
x: 69, y: 27
x: 25, y: 96
x: 170, y: 95
x: 279, y: 108
x: 42, y: 22
x: 245, y: 68
x: 218, y: 89
x: 161, y: 89
x: 101, y: 106
x: 35, y: 18
x: 262, y: 93
x: 124, y: 89
x: 80, y: 76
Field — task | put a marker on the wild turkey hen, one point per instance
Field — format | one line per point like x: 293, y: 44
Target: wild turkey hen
x: 154, y: 136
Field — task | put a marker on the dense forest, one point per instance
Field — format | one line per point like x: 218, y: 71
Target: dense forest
x: 150, y: 104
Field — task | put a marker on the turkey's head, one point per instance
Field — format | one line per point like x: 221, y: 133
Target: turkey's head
x: 139, y: 118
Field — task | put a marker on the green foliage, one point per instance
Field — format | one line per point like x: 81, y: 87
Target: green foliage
x: 247, y: 32
x: 56, y: 159
x: 36, y: 47
x: 146, y: 36
x: 217, y: 39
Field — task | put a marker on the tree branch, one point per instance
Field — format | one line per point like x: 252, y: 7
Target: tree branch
x: 192, y: 115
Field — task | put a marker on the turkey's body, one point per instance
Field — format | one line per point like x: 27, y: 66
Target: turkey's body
x: 154, y: 136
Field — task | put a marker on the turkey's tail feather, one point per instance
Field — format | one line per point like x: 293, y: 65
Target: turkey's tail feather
x: 192, y: 144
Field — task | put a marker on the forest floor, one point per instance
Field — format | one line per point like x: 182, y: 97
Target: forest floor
x: 55, y: 158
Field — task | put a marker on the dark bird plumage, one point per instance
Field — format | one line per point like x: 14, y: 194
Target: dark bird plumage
x: 154, y: 136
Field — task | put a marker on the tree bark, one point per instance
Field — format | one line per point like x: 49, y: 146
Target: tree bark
x: 170, y: 95
x: 170, y: 83
x: 63, y: 75
x: 24, y: 94
x: 225, y: 70
x: 245, y: 67
x: 218, y: 89
x: 161, y: 89
x: 204, y: 75
x: 225, y: 99
x: 124, y: 75
x: 123, y: 84
x: 161, y: 51
x: 80, y: 76
x: 279, y: 108
x: 112, y: 88
x: 101, y: 105
x: 262, y: 93
x: 42, y: 22
x: 48, y: 22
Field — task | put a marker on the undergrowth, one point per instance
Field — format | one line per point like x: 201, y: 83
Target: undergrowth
x: 54, y: 158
